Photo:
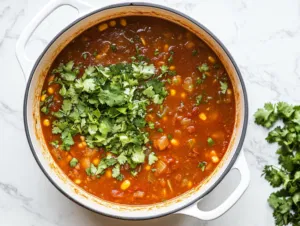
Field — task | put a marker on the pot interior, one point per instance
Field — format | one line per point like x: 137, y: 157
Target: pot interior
x: 43, y: 156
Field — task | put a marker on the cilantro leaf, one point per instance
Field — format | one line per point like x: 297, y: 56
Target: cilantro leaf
x: 210, y: 141
x: 224, y: 87
x: 285, y: 202
x: 202, y: 165
x: 203, y: 68
x: 107, y: 105
x: 266, y: 116
x: 152, y: 158
x: 73, y: 162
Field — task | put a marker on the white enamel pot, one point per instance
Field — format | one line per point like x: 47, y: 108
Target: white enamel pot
x: 35, y: 72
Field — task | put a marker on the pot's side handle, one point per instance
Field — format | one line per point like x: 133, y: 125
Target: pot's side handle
x: 242, y: 167
x: 26, y: 63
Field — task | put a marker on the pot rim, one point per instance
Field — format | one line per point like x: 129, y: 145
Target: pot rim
x: 157, y: 6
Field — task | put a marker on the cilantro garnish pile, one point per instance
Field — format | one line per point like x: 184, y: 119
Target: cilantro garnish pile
x: 286, y: 177
x: 107, y: 105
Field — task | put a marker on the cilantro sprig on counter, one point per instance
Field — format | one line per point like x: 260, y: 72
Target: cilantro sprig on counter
x: 107, y: 105
x: 286, y: 201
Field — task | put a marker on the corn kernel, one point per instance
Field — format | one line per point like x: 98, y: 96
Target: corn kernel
x: 166, y: 47
x: 83, y: 143
x: 46, y: 122
x: 43, y: 97
x: 112, y: 23
x: 164, y: 192
x: 96, y: 161
x: 108, y: 154
x: 202, y: 116
x: 165, y: 118
x: 147, y: 167
x: 102, y: 27
x: 77, y: 181
x: 50, y: 90
x: 211, y: 59
x: 172, y: 68
x: 215, y: 159
x: 125, y: 184
x: 108, y: 173
x: 229, y: 92
x: 174, y: 142
x: 82, y: 138
x: 143, y: 41
x: 80, y: 145
x: 213, y: 153
x: 173, y: 92
x: 123, y: 22
x: 183, y: 95
x: 69, y: 158
x: 190, y: 184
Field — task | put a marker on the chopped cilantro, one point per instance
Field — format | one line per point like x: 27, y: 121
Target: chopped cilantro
x: 172, y: 73
x: 160, y: 130
x: 151, y: 125
x: 194, y: 52
x: 170, y: 59
x: 54, y: 143
x: 198, y: 99
x: 84, y: 55
x: 113, y: 47
x: 73, y: 162
x: 210, y: 141
x: 156, y: 52
x: 224, y: 87
x: 170, y: 137
x: 152, y: 158
x: 203, y: 68
x: 95, y: 53
x: 199, y: 81
x: 45, y: 110
x: 202, y: 165
x: 164, y: 69
x: 133, y: 173
x: 107, y: 105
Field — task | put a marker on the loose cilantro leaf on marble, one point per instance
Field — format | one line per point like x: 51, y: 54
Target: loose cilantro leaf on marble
x: 286, y: 201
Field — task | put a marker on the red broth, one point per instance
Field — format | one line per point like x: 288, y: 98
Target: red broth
x: 191, y: 134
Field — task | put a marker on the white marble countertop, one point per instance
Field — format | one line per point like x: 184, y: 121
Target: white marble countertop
x: 263, y: 37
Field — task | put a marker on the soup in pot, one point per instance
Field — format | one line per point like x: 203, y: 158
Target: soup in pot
x: 137, y: 110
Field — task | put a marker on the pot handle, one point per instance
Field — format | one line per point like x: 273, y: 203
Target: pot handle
x: 26, y: 63
x: 242, y: 167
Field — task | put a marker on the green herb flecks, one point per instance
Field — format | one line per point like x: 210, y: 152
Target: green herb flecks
x: 210, y: 141
x: 73, y: 162
x: 194, y: 52
x: 202, y: 165
x: 152, y: 158
x: 198, y: 99
x: 203, y: 68
x: 113, y: 47
x: 224, y: 87
x: 170, y: 59
x: 107, y: 105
